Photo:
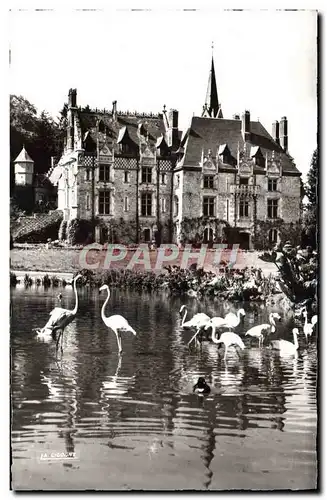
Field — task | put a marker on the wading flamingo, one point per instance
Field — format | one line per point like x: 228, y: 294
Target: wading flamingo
x: 286, y: 347
x: 60, y: 318
x: 233, y: 320
x: 226, y: 338
x: 116, y: 322
x: 199, y: 320
x: 259, y: 330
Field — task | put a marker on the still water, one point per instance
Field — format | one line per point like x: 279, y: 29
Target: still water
x: 135, y: 423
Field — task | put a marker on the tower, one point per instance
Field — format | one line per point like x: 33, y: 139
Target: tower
x: 24, y: 169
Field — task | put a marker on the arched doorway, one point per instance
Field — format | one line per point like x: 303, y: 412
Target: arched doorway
x: 244, y: 241
x: 147, y: 235
x: 103, y: 235
x: 208, y: 236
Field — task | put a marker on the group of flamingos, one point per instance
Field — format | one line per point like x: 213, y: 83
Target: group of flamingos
x: 201, y: 321
x: 60, y: 318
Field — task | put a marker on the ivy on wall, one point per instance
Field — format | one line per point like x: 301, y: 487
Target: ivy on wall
x: 291, y: 232
x: 192, y: 229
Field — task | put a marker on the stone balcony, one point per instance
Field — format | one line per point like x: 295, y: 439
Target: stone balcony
x: 244, y: 189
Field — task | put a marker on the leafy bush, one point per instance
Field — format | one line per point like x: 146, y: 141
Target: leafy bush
x: 298, y: 271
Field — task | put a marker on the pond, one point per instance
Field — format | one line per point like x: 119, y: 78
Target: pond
x: 92, y: 420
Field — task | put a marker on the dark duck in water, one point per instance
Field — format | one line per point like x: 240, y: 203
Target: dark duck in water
x: 201, y: 387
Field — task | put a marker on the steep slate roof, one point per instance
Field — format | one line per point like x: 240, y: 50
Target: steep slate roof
x: 24, y: 157
x: 210, y: 133
x: 153, y: 125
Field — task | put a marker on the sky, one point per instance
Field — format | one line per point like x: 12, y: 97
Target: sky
x: 265, y: 61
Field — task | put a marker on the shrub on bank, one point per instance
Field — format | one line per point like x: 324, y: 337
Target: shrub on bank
x: 237, y: 285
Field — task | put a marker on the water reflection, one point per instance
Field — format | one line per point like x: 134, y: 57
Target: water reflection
x: 139, y: 410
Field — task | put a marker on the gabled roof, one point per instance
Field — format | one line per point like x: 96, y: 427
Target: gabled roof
x: 210, y: 133
x: 23, y: 157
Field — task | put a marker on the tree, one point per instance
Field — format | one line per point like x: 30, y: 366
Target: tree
x: 311, y: 187
x: 311, y: 214
x: 41, y: 134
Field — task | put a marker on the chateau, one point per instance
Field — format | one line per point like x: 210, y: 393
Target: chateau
x: 134, y: 177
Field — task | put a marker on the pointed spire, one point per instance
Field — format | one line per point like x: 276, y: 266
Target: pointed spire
x: 211, y: 103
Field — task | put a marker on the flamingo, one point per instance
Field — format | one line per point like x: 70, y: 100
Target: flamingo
x: 116, y: 322
x: 198, y: 321
x: 226, y: 338
x: 308, y: 327
x: 233, y: 320
x: 258, y: 331
x: 286, y: 347
x: 60, y: 318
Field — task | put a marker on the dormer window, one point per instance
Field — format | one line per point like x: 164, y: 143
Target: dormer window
x: 124, y: 141
x: 102, y: 127
x: 225, y: 154
x: 162, y: 147
x: 257, y: 156
x: 124, y: 148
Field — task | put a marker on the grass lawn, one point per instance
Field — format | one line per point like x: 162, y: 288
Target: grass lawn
x: 70, y: 260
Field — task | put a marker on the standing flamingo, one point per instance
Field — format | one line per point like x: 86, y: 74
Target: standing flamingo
x: 116, y: 322
x: 226, y: 338
x: 233, y: 320
x: 60, y: 318
x: 259, y: 330
x: 286, y: 347
x: 198, y: 321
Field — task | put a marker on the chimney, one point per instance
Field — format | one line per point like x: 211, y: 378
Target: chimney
x: 72, y: 98
x: 173, y: 127
x: 114, y: 109
x: 284, y: 134
x: 246, y: 125
x: 275, y: 131
x: 236, y: 117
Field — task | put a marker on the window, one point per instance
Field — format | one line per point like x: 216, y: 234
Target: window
x: 126, y: 204
x: 104, y: 202
x: 244, y: 181
x: 177, y: 180
x: 272, y: 209
x: 208, y: 181
x: 244, y: 208
x: 163, y: 178
x: 126, y: 177
x: 208, y: 206
x: 272, y: 184
x: 104, y: 173
x: 273, y: 235
x: 163, y: 205
x: 146, y: 204
x: 87, y: 202
x: 87, y: 174
x: 208, y: 235
x: 146, y: 175
x: 176, y: 205
x: 124, y: 148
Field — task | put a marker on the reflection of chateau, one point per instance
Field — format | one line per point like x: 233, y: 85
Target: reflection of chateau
x: 136, y: 177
